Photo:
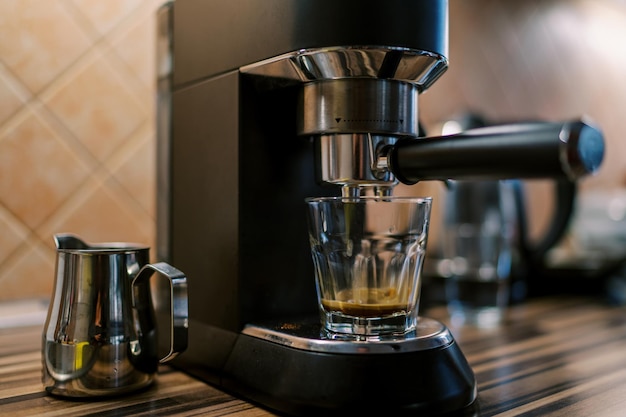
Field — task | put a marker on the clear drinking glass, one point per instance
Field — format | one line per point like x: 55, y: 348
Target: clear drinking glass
x: 368, y: 254
x: 478, y: 231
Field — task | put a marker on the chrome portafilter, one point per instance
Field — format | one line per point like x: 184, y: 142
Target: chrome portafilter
x: 367, y: 136
x: 353, y: 121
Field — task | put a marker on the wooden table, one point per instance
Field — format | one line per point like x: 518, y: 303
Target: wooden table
x: 553, y: 357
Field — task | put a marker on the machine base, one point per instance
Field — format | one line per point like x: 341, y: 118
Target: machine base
x: 421, y: 374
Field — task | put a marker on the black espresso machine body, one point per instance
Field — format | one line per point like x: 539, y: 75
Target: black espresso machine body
x: 255, y: 98
x: 233, y: 173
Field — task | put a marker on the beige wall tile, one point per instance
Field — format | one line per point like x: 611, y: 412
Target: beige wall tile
x: 28, y: 274
x: 97, y: 107
x: 104, y: 15
x: 39, y: 40
x: 12, y: 95
x: 137, y: 49
x: 37, y: 169
x: 136, y: 163
x: 76, y: 131
x: 14, y: 233
x: 101, y: 212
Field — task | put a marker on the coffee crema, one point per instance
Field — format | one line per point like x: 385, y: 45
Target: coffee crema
x: 367, y: 302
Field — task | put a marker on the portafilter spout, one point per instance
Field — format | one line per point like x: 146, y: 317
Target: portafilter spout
x: 567, y: 150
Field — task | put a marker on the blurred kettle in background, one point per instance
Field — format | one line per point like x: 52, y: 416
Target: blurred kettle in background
x: 521, y: 259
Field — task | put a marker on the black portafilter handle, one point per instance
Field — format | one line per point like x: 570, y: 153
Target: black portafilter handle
x: 521, y: 150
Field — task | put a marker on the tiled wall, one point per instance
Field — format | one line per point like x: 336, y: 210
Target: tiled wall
x: 77, y: 117
x: 76, y: 130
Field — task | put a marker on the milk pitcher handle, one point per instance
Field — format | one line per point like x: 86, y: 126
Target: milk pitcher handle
x: 179, y: 314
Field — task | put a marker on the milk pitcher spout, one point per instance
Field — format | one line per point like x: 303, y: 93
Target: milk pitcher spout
x: 68, y: 241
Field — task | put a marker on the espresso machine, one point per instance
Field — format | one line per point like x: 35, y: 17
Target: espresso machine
x: 264, y: 103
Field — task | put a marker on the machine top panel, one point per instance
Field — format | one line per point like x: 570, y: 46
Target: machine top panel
x: 216, y: 36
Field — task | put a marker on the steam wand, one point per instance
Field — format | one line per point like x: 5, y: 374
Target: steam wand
x: 524, y: 150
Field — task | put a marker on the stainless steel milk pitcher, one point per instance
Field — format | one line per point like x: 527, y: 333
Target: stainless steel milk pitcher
x: 100, y: 336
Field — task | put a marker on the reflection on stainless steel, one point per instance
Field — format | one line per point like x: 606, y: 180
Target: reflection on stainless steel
x: 99, y: 338
x: 419, y: 67
x: 430, y: 334
x: 352, y: 159
x: 353, y: 121
x: 359, y: 105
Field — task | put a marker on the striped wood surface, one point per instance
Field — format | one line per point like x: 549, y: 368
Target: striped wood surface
x: 553, y: 357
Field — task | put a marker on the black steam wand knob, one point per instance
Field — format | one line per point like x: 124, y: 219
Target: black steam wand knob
x: 521, y: 150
